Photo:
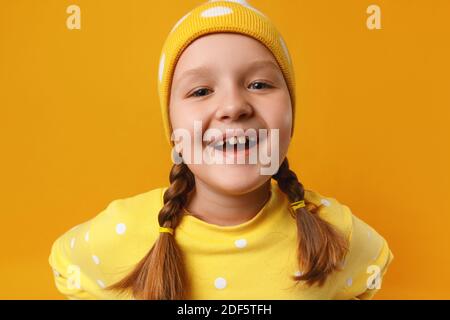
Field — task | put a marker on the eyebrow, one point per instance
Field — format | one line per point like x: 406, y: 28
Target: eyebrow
x: 259, y: 64
x: 255, y: 65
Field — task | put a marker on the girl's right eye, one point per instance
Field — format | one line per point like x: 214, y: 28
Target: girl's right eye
x: 198, y: 93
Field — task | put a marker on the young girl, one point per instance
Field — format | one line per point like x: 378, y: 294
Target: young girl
x: 224, y: 230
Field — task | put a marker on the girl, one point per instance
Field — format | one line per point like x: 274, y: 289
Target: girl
x: 224, y: 230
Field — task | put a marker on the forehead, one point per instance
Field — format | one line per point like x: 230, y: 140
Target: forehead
x: 227, y: 50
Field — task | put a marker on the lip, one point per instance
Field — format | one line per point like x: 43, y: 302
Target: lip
x: 235, y: 152
x: 230, y: 132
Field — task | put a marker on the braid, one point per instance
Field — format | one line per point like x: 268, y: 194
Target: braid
x: 181, y: 183
x: 321, y: 248
x: 161, y: 274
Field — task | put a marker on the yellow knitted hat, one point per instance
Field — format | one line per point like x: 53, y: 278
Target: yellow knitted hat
x: 216, y: 16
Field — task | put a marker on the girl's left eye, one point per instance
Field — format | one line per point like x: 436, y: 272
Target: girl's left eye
x: 261, y: 85
x: 258, y: 86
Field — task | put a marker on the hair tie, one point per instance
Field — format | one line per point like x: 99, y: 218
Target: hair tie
x: 298, y: 204
x: 164, y: 229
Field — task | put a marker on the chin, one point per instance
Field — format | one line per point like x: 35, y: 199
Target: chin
x: 236, y: 179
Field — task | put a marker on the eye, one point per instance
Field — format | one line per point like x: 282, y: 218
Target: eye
x: 261, y: 85
x: 199, y: 93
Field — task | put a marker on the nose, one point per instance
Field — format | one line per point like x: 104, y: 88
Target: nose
x: 234, y: 106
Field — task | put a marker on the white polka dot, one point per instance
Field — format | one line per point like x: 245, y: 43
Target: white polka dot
x: 100, y: 283
x: 241, y: 2
x: 121, y: 228
x: 349, y: 282
x: 256, y: 10
x: 86, y: 236
x: 376, y: 255
x: 216, y: 12
x: 241, y: 243
x: 220, y: 283
x: 72, y: 243
x: 325, y: 202
x: 96, y: 259
x: 286, y: 51
x: 56, y: 273
x: 298, y: 273
x: 179, y: 22
x: 161, y: 66
x: 73, y: 283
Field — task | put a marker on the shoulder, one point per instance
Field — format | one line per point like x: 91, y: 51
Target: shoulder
x: 122, y: 234
x: 369, y: 254
x: 127, y: 217
x: 367, y: 261
x: 104, y: 248
x: 332, y: 211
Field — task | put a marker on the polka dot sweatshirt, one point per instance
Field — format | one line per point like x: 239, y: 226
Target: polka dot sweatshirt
x: 253, y: 260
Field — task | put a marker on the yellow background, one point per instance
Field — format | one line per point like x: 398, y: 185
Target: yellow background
x: 80, y: 123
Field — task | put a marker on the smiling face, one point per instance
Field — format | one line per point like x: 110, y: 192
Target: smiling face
x: 231, y: 81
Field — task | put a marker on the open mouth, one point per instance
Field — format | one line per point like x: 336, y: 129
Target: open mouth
x: 236, y: 143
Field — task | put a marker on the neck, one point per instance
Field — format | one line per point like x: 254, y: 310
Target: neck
x: 219, y: 208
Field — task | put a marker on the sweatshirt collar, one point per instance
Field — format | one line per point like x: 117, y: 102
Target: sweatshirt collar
x: 264, y: 219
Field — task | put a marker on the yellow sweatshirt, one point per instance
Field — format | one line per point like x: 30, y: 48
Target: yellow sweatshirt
x: 252, y: 260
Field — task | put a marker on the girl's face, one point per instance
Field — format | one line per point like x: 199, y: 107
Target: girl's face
x: 230, y: 81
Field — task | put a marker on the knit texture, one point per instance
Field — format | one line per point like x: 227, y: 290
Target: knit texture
x: 215, y: 17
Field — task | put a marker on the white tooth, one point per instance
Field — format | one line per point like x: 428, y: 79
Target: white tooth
x: 252, y: 138
x: 241, y: 139
x: 219, y: 143
x: 232, y: 140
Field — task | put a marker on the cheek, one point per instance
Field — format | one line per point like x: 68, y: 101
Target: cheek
x: 183, y: 116
x: 185, y: 119
x: 279, y: 116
